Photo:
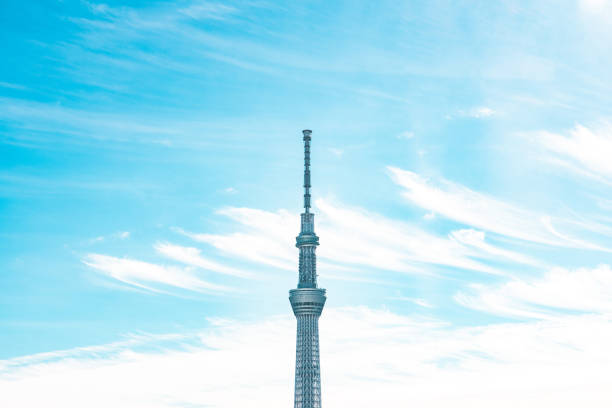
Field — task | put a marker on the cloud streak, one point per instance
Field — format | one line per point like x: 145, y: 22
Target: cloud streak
x: 353, y: 238
x: 548, y: 297
x: 192, y: 256
x: 482, y: 211
x: 149, y: 276
x: 477, y: 240
x: 585, y: 151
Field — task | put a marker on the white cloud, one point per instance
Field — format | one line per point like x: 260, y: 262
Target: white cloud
x: 406, y: 135
x: 416, y: 301
x: 594, y: 6
x: 267, y: 237
x: 12, y: 86
x: 480, y: 112
x: 356, y: 236
x: 117, y: 235
x: 123, y: 234
x: 207, y: 10
x: 350, y: 237
x: 581, y: 290
x: 336, y: 152
x: 156, y: 278
x: 584, y: 150
x: 192, y: 256
x: 482, y: 211
x: 368, y: 358
x: 40, y: 116
x: 476, y: 239
x: 430, y: 216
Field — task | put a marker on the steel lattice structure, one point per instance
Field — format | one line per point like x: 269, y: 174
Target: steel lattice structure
x: 307, y: 302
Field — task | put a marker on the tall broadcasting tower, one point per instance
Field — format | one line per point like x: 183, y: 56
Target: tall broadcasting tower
x: 307, y: 302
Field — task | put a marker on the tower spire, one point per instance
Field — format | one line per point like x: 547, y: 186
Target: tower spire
x: 307, y: 302
x: 307, y: 134
x: 307, y: 241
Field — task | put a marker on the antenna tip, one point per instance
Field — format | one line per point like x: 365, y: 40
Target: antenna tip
x: 307, y: 132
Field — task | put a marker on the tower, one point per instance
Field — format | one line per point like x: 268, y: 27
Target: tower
x: 307, y: 302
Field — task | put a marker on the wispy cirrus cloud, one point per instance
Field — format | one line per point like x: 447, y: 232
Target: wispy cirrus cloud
x: 43, y: 117
x: 151, y: 277
x: 583, y: 150
x: 266, y: 239
x: 122, y: 235
x: 11, y: 85
x: 193, y: 257
x: 405, y: 135
x: 353, y: 238
x: 480, y: 210
x: 358, y: 236
x: 369, y: 357
x: 550, y: 296
x: 598, y: 8
x: 208, y: 10
x: 477, y: 240
x: 479, y: 112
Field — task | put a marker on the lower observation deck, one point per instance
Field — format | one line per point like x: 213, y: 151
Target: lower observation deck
x: 307, y: 301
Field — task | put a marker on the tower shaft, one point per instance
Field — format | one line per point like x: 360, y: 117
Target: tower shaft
x: 307, y: 302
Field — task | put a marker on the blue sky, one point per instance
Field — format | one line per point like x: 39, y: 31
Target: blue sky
x: 150, y: 190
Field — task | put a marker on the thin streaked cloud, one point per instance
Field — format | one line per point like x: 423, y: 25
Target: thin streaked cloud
x: 193, y: 257
x: 483, y: 211
x: 584, y: 290
x: 584, y: 150
x: 151, y: 277
x: 353, y: 236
